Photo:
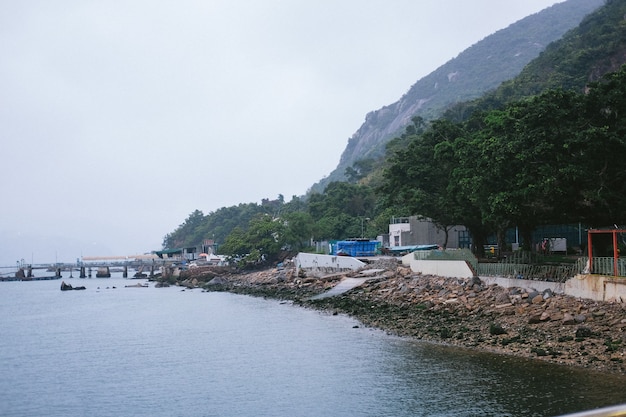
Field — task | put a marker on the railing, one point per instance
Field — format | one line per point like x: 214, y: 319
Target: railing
x: 531, y: 271
x: 604, y: 266
x: 552, y: 273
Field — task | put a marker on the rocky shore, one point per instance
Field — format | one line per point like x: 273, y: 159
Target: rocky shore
x: 461, y: 312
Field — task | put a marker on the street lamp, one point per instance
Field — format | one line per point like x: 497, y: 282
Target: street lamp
x: 363, y: 219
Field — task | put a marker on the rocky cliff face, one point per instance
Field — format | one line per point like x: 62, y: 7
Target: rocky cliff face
x: 479, y: 69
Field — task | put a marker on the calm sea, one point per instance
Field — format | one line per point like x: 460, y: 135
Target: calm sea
x: 166, y: 352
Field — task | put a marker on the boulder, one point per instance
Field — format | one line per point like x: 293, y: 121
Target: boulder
x: 537, y: 299
x: 503, y: 298
x: 568, y: 319
x: 584, y: 332
x: 68, y: 287
x: 218, y: 281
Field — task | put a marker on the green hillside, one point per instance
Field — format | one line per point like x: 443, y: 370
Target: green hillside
x: 477, y: 70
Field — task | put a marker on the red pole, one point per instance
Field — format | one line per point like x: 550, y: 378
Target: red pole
x: 589, y: 251
x: 615, y: 253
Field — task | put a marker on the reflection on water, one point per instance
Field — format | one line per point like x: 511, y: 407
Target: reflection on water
x: 504, y: 385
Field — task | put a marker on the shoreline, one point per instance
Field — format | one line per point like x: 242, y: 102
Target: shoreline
x: 458, y: 312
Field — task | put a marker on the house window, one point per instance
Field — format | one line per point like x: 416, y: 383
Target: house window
x: 396, y: 241
x: 465, y: 239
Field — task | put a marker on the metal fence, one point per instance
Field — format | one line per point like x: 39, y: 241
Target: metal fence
x: 528, y: 270
x: 605, y: 266
x: 552, y: 273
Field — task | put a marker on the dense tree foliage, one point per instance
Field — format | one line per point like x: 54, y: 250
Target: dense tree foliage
x: 341, y: 210
x: 187, y: 234
x: 553, y: 158
x: 417, y: 176
x: 259, y: 244
x: 216, y: 225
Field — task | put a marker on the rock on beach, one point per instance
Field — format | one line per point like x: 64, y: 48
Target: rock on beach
x: 457, y: 311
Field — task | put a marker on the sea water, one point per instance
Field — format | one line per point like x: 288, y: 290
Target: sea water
x: 112, y: 350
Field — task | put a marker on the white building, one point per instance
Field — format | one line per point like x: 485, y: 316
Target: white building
x: 414, y: 230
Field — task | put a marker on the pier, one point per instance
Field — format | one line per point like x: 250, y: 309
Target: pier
x: 144, y: 266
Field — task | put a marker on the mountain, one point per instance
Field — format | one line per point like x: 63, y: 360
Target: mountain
x: 477, y: 70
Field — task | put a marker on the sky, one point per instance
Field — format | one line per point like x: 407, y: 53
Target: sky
x: 118, y: 118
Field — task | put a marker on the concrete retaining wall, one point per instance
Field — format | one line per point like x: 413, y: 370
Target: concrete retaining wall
x: 615, y: 289
x: 593, y: 287
x: 453, y: 269
x: 586, y: 286
x: 529, y: 285
x: 326, y: 264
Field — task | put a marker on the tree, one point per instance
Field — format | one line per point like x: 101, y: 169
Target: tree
x: 360, y: 169
x: 187, y: 233
x: 602, y: 146
x: 417, y: 177
x: 337, y: 212
x: 515, y: 165
x: 298, y: 230
x: 261, y: 243
x: 236, y: 245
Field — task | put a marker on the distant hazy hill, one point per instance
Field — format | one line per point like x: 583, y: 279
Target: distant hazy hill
x: 475, y: 71
x: 596, y: 47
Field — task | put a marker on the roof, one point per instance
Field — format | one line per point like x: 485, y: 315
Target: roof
x: 175, y: 251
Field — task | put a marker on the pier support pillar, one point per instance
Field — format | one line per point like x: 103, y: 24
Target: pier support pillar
x: 82, y: 272
x: 125, y: 273
x: 58, y: 273
x: 103, y: 272
x: 167, y: 272
x: 29, y: 272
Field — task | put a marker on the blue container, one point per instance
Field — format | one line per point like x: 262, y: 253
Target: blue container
x: 356, y: 248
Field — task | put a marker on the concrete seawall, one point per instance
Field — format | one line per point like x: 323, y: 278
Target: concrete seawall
x: 593, y: 287
x: 319, y: 265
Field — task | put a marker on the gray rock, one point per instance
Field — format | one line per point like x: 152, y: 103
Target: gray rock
x: 218, y: 281
x: 537, y: 299
x: 583, y: 332
x: 502, y: 298
x: 568, y: 319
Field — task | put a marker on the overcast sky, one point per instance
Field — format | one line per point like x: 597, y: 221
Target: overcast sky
x: 120, y: 118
